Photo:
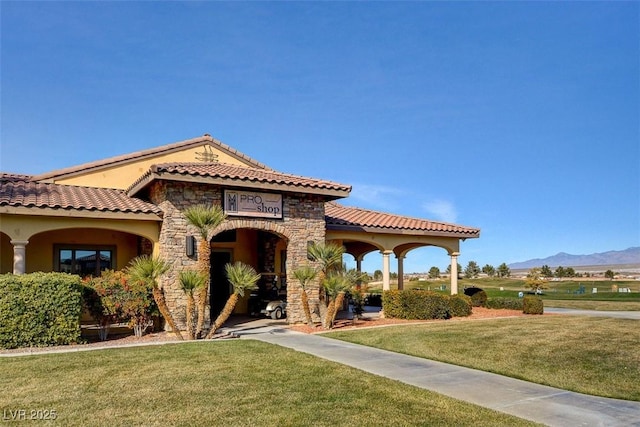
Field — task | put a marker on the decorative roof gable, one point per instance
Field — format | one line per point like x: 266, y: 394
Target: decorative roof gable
x: 121, y: 171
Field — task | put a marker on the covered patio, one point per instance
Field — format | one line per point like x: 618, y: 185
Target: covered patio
x: 362, y: 231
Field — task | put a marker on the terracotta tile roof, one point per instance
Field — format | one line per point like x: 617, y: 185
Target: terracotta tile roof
x: 344, y: 217
x: 25, y: 193
x: 7, y: 176
x: 127, y: 158
x: 231, y: 175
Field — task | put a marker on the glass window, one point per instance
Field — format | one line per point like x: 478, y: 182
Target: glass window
x: 84, y: 261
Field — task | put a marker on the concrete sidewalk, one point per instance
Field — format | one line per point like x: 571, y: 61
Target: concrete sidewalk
x: 547, y: 405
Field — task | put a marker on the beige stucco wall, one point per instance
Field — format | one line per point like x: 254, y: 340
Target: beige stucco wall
x: 123, y: 175
x: 6, y: 254
x: 42, y: 232
x: 40, y: 250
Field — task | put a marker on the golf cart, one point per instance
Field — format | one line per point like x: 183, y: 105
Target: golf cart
x: 272, y: 302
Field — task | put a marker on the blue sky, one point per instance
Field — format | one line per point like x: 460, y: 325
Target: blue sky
x: 520, y: 118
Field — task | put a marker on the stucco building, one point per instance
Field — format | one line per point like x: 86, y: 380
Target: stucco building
x: 101, y: 215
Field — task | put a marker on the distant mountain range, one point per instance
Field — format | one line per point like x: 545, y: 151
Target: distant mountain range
x: 627, y: 256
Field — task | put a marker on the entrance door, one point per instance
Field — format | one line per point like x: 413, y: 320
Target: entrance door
x: 220, y: 288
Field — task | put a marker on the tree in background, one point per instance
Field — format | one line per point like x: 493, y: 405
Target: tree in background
x: 377, y: 275
x: 204, y: 219
x: 489, y: 270
x: 609, y: 274
x: 545, y: 271
x: 535, y: 280
x: 560, y: 272
x: 503, y: 270
x: 472, y: 270
x: 434, y: 273
x: 570, y: 272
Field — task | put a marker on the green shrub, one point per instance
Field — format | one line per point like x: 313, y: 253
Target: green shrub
x: 460, y: 305
x: 479, y: 299
x: 415, y: 305
x: 504, y: 303
x: 532, y: 304
x: 39, y: 309
x: 114, y: 297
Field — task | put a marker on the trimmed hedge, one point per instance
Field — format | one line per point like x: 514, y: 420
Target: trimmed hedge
x: 532, y: 305
x: 416, y: 305
x: 504, y: 303
x: 39, y: 309
x: 460, y: 305
x: 478, y: 296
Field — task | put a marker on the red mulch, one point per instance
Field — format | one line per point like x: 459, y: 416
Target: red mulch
x: 478, y: 313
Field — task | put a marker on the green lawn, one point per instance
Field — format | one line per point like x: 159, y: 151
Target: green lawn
x: 597, y: 356
x: 223, y: 383
x: 556, y: 293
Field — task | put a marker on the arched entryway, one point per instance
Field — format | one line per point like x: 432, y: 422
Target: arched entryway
x: 264, y: 250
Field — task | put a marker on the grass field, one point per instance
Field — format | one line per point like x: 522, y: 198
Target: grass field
x: 597, y: 356
x: 223, y: 383
x: 559, y: 294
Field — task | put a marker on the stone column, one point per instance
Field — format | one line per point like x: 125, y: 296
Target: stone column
x: 400, y: 273
x: 386, y: 268
x: 19, y: 256
x: 454, y: 272
x: 359, y: 263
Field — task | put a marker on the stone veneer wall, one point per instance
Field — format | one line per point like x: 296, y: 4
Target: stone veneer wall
x: 303, y: 221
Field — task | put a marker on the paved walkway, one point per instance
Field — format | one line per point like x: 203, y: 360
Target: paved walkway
x: 546, y: 405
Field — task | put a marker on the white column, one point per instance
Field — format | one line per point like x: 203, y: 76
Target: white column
x: 386, y: 268
x: 400, y: 273
x: 19, y: 256
x: 454, y: 272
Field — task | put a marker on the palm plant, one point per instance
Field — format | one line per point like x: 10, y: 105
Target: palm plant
x: 305, y: 274
x: 329, y: 258
x: 335, y: 286
x: 204, y: 219
x: 242, y: 277
x: 351, y: 278
x: 328, y: 255
x: 148, y: 270
x: 191, y: 282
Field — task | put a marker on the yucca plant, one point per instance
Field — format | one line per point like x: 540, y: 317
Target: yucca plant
x: 351, y: 278
x: 191, y: 282
x: 329, y: 259
x: 242, y: 277
x: 335, y: 285
x: 328, y: 256
x: 149, y: 269
x: 204, y: 219
x: 305, y: 274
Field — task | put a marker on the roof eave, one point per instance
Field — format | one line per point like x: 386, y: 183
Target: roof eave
x: 389, y: 230
x: 329, y: 193
x: 78, y: 213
